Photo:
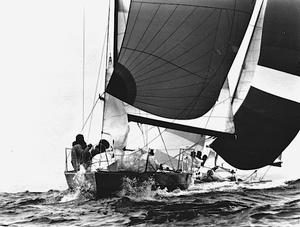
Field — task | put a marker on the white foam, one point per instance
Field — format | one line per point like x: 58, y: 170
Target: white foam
x: 220, y: 187
x: 81, y: 185
x: 70, y: 196
x: 136, y: 190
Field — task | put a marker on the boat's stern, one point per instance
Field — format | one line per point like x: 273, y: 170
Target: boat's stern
x: 78, y: 180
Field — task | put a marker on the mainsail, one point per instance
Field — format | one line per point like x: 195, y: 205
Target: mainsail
x: 269, y: 116
x: 115, y: 123
x: 174, y: 57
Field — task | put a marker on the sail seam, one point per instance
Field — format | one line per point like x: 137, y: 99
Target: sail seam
x: 132, y: 31
x: 171, y: 63
x: 145, y: 31
x: 172, y: 88
x: 167, y: 80
x: 174, y: 46
x: 212, y: 53
x: 198, y: 6
x: 182, y: 54
x: 146, y: 103
x: 163, y: 25
x: 135, y: 19
x: 172, y: 108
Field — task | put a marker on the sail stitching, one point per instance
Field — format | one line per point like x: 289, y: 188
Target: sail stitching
x: 155, y: 105
x: 201, y: 91
x: 212, y: 77
x: 219, y: 17
x: 163, y: 25
x: 171, y: 63
x: 215, y: 39
x: 199, y: 6
x: 219, y: 65
x: 138, y: 43
x: 123, y: 53
x: 182, y: 54
x: 228, y: 19
x: 172, y: 88
x: 167, y: 80
x: 177, y: 44
x: 194, y: 101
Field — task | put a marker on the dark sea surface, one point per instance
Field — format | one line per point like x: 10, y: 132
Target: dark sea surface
x: 206, y: 204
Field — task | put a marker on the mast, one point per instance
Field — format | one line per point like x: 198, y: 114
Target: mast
x: 114, y: 118
x: 108, y: 59
x: 115, y: 46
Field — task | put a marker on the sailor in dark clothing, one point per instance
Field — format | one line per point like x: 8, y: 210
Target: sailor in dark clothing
x: 90, y: 152
x: 78, y: 146
x: 87, y: 158
x: 199, y: 154
x: 80, y: 140
x: 204, y: 158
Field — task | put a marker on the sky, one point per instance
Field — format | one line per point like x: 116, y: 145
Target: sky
x: 41, y: 88
x: 41, y: 85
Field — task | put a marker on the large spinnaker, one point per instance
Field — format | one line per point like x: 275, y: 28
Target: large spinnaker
x: 175, y: 55
x: 269, y: 117
x: 218, y: 121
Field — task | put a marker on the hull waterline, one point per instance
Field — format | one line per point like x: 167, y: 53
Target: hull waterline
x: 105, y: 183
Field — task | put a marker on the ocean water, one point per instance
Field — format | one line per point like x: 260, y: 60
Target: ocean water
x: 206, y: 204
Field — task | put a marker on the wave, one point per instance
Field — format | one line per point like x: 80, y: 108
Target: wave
x: 294, y: 182
x: 207, y: 204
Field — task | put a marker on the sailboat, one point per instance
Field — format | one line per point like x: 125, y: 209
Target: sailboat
x: 224, y: 69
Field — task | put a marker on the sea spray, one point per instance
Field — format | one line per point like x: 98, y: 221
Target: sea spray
x: 82, y: 188
x: 137, y: 189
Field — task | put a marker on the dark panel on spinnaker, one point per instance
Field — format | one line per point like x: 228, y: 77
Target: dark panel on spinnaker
x: 178, y: 54
x: 265, y: 123
x: 124, y: 84
x: 265, y: 126
x: 281, y: 37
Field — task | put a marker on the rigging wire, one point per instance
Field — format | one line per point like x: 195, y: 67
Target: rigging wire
x: 97, y: 82
x: 90, y: 113
x: 254, y: 172
x: 165, y: 147
x: 83, y: 63
x: 107, y: 62
x: 265, y: 173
